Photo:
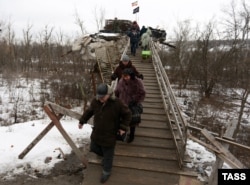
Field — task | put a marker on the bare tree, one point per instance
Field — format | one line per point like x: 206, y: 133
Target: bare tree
x: 27, y: 47
x: 79, y: 22
x: 45, y: 58
x: 10, y: 46
x: 99, y: 17
x: 238, y: 28
x: 181, y: 57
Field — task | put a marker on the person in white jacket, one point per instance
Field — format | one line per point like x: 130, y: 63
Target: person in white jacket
x: 145, y: 38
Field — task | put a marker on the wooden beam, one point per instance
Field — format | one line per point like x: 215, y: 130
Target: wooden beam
x: 224, y: 139
x: 214, y: 134
x: 233, y: 143
x: 213, y: 178
x: 62, y: 110
x: 37, y: 139
x: 229, y: 158
x: 57, y: 123
x: 208, y: 146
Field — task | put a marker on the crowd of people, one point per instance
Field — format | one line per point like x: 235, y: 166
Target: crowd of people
x: 117, y: 112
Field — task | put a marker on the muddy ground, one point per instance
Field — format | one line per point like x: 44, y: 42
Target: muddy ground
x: 67, y: 172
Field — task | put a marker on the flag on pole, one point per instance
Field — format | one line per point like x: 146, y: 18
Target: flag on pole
x: 135, y: 3
x: 136, y: 10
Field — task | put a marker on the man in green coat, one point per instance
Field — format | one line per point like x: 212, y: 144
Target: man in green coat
x: 111, y: 116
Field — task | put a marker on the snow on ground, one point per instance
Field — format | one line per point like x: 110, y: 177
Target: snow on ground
x: 14, y: 138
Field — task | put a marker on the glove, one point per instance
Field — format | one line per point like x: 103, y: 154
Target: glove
x: 113, y: 76
x: 122, y: 137
x: 82, y: 121
x: 141, y: 76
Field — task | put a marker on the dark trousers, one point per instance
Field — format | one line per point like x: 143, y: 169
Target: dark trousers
x: 133, y: 46
x: 106, y: 152
x: 132, y: 132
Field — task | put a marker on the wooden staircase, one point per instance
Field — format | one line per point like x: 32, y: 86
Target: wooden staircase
x: 151, y: 158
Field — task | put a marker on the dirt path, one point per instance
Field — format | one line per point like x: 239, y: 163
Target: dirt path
x: 68, y: 172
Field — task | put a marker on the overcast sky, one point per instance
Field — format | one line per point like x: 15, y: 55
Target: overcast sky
x: 60, y: 13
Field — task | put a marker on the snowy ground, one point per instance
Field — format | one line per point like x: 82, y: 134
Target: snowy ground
x: 14, y: 138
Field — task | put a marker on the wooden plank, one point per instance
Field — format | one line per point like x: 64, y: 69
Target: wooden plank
x: 229, y: 158
x: 55, y: 120
x: 151, y: 88
x: 128, y: 176
x: 213, y: 133
x: 152, y: 91
x: 152, y: 100
x: 154, y: 124
x: 208, y: 146
x: 37, y: 139
x: 184, y: 180
x: 219, y: 162
x: 151, y: 96
x: 154, y: 117
x: 152, y: 132
x: 145, y: 152
x: 233, y: 143
x: 63, y: 110
x: 151, y: 142
x: 148, y: 164
x: 153, y: 111
x: 152, y: 105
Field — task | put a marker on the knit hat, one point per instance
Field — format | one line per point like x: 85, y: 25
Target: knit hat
x: 102, y: 90
x: 125, y: 58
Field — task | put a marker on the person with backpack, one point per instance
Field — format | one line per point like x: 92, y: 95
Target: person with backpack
x: 111, y: 117
x: 131, y: 91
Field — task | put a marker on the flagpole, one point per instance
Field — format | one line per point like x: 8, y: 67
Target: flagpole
x: 137, y: 16
x: 136, y: 10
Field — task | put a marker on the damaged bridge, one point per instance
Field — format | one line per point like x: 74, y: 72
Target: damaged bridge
x: 157, y: 155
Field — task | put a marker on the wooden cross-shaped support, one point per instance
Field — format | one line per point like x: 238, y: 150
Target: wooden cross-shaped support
x: 56, y: 121
x: 38, y: 138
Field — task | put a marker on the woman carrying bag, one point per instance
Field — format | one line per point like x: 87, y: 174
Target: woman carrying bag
x: 131, y: 91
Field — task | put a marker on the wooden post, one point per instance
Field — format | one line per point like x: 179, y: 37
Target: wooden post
x: 37, y: 139
x: 55, y: 120
x: 63, y: 110
x: 229, y: 158
x: 213, y: 179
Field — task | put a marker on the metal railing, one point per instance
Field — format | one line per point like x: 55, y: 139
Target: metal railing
x: 176, y: 122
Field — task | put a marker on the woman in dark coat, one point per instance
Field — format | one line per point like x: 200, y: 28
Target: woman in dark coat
x: 130, y: 90
x: 123, y: 64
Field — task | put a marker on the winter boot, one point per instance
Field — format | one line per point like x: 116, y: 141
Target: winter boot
x: 131, y: 135
x: 105, y: 176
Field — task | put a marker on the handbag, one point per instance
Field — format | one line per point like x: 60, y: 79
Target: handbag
x: 137, y: 110
x: 122, y: 137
